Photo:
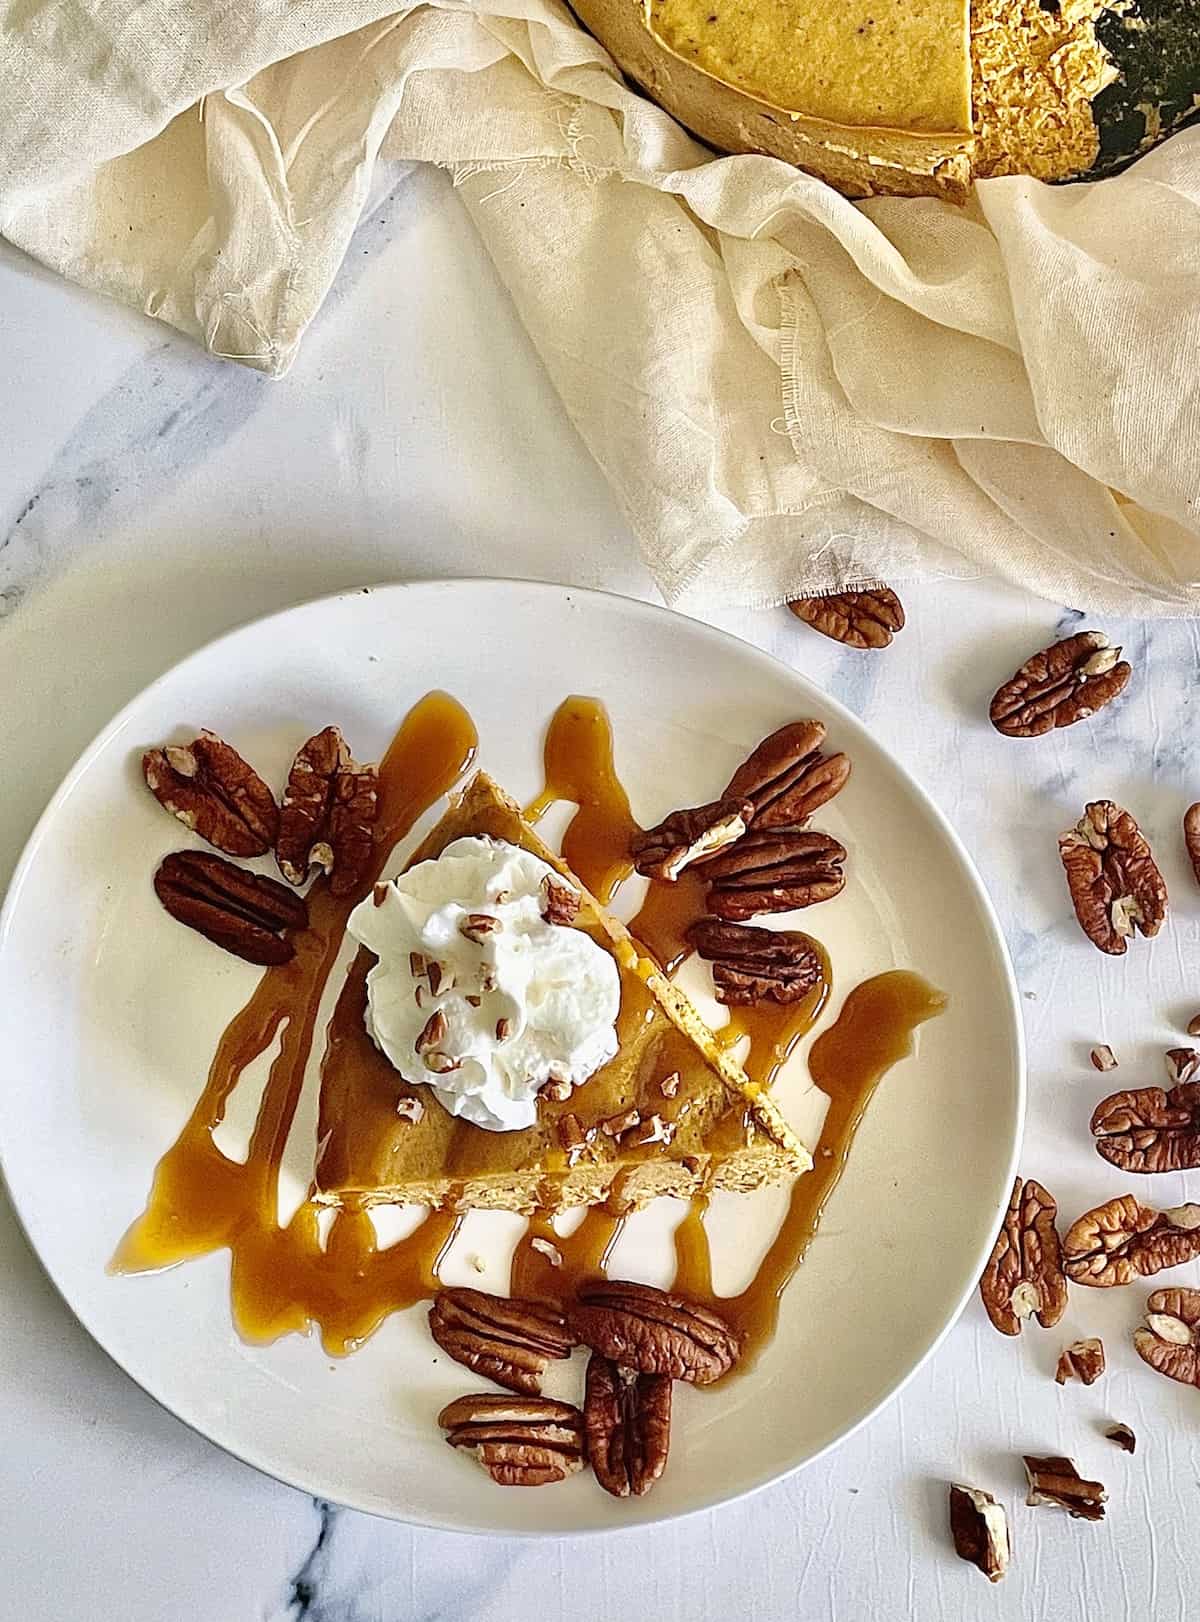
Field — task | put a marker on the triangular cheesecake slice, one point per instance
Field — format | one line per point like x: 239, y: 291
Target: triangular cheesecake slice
x: 382, y: 1141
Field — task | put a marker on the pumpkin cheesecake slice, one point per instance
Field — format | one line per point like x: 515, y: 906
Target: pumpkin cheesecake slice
x: 509, y: 1064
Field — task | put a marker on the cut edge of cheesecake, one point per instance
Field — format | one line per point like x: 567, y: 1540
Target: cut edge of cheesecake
x: 768, y: 1151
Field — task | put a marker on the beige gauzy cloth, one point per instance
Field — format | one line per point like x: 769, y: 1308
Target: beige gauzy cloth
x: 788, y: 392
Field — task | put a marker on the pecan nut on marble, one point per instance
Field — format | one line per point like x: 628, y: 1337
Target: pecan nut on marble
x: 787, y: 778
x: 509, y: 1342
x: 243, y: 912
x: 653, y: 1332
x: 1060, y: 685
x: 1170, y: 1339
x: 215, y: 793
x: 775, y: 871
x: 519, y: 1441
x: 752, y: 965
x: 1149, y: 1129
x: 1024, y: 1274
x: 859, y: 619
x: 328, y: 814
x: 979, y: 1528
x: 1122, y: 1240
x: 1116, y: 887
x: 627, y: 1418
x: 1056, y: 1481
x: 662, y: 852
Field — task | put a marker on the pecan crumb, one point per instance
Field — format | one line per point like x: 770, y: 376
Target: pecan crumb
x: 503, y: 1029
x: 410, y: 1109
x: 1083, y: 1360
x: 670, y: 1084
x: 1193, y: 1025
x: 545, y: 1248
x: 416, y: 965
x: 557, y: 1090
x: 379, y: 895
x: 442, y: 1064
x: 1181, y: 1063
x: 979, y: 1528
x: 432, y: 1032
x: 1103, y: 1058
x: 560, y: 904
x: 1123, y: 1437
x: 615, y: 1125
x: 1054, y: 1480
x: 477, y: 926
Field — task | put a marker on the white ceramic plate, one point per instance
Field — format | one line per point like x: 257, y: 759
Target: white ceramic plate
x: 111, y: 1012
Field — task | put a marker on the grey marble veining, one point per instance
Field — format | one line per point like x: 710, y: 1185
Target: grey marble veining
x: 150, y: 498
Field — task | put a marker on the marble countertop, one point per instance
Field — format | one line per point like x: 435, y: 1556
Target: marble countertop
x: 150, y: 498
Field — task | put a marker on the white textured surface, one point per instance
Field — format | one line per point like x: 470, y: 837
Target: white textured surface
x: 150, y: 498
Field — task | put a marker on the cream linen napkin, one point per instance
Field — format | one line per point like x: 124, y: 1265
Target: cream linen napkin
x: 788, y: 392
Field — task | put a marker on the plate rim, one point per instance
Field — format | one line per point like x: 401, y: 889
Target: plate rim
x: 661, y: 613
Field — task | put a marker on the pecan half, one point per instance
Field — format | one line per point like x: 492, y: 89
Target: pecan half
x: 215, y: 793
x: 775, y: 871
x: 979, y: 1528
x: 627, y: 1418
x: 243, y: 912
x: 1024, y: 1274
x: 1191, y: 837
x: 786, y: 778
x: 328, y: 814
x: 662, y: 852
x: 652, y: 1332
x: 1122, y: 1240
x: 1170, y: 1341
x: 560, y: 904
x: 1149, y: 1129
x: 519, y: 1441
x: 859, y: 619
x: 1056, y: 1481
x: 509, y: 1342
x: 752, y: 965
x: 1060, y: 685
x: 1115, y: 883
x: 1081, y: 1360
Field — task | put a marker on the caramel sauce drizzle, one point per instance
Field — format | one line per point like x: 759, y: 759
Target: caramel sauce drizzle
x: 284, y: 1280
x: 873, y: 1032
x: 281, y: 1278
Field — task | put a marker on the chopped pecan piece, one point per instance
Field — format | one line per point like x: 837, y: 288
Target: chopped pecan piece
x: 215, y: 793
x: 477, y: 926
x: 1115, y: 884
x: 1057, y: 1481
x: 243, y: 912
x: 1103, y: 1058
x: 519, y: 1441
x: 1123, y: 1437
x: 1181, y: 1063
x: 1024, y: 1274
x: 509, y: 1342
x: 1193, y: 1025
x: 1122, y: 1240
x: 1191, y: 838
x: 560, y: 904
x: 775, y: 871
x: 979, y: 1528
x: 1060, y: 685
x: 1149, y: 1129
x: 859, y: 619
x: 627, y: 1418
x: 1170, y: 1341
x: 662, y: 852
x: 752, y: 965
x: 652, y: 1332
x: 1082, y: 1360
x: 328, y: 814
x: 786, y: 778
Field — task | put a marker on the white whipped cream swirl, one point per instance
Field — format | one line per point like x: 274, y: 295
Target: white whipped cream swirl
x: 548, y: 995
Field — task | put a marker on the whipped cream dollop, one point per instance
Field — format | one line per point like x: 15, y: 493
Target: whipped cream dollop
x: 475, y: 993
